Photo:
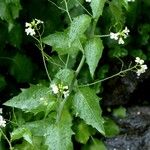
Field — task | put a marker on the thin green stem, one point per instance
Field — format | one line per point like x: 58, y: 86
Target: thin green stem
x: 84, y: 8
x: 10, y: 146
x: 107, y: 35
x: 80, y: 65
x: 67, y: 61
x: 67, y: 11
x: 43, y: 56
x: 56, y: 5
x: 60, y: 109
x: 110, y: 77
x: 93, y: 27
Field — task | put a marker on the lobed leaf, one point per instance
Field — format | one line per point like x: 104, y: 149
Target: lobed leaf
x: 93, y: 52
x: 58, y: 135
x: 21, y: 132
x: 60, y: 44
x: 34, y: 99
x: 86, y: 106
x: 65, y: 75
x: 78, y: 26
x: 97, y: 8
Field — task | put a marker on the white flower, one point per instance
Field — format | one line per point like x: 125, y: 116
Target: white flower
x: 55, y: 88
x: 139, y: 61
x: 121, y: 41
x: 32, y: 26
x: 88, y: 1
x: 141, y: 70
x: 65, y: 87
x: 126, y: 30
x: 2, y: 121
x: 120, y: 35
x: 114, y: 35
x: 30, y: 31
x: 66, y: 93
x: 28, y: 25
x: 38, y: 21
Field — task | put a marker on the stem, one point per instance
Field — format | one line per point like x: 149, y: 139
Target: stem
x: 107, y: 35
x: 10, y: 146
x: 80, y: 64
x: 67, y: 10
x: 43, y: 57
x: 84, y: 8
x: 93, y: 27
x: 66, y: 64
x: 60, y: 109
x: 117, y: 74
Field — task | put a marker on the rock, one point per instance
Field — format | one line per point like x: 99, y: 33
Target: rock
x: 135, y: 131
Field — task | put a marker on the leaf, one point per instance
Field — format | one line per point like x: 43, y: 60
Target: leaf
x: 78, y: 26
x: 15, y: 36
x: 118, y: 52
x: 95, y: 145
x: 60, y: 44
x: 117, y: 13
x: 21, y: 132
x: 9, y: 10
x: 119, y: 112
x: 66, y: 76
x: 21, y: 68
x: 34, y: 99
x: 37, y: 145
x: 86, y: 106
x: 58, y: 136
x: 97, y: 7
x: 83, y: 132
x: 111, y: 128
x: 93, y: 52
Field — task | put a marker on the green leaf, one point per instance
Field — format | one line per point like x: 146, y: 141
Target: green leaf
x: 138, y: 53
x: 58, y: 136
x: 15, y: 35
x: 97, y: 7
x: 65, y: 76
x: 21, y: 68
x: 86, y: 106
x: 118, y: 52
x: 83, y: 132
x: 117, y: 13
x: 21, y: 132
x: 95, y: 145
x: 34, y: 99
x: 38, y: 144
x: 78, y: 26
x: 111, y: 128
x: 60, y: 44
x: 119, y: 112
x: 9, y: 10
x: 93, y: 52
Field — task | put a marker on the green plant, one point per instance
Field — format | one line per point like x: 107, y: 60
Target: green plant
x: 46, y: 113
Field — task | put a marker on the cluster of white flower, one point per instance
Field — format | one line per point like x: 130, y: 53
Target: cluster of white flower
x: 2, y: 120
x: 88, y: 1
x: 32, y: 26
x: 64, y: 90
x: 140, y: 63
x: 120, y: 35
